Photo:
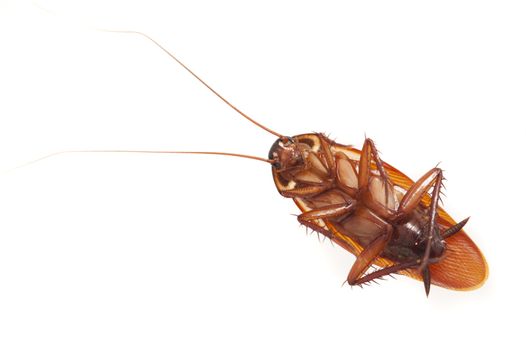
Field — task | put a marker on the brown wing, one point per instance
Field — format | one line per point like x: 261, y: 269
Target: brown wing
x: 463, y: 267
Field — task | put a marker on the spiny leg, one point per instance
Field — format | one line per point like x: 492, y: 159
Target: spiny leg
x: 315, y: 227
x: 370, y: 153
x: 416, y: 192
x: 385, y: 272
x: 306, y: 191
x: 329, y: 211
x: 432, y: 230
x: 365, y: 259
x: 368, y: 150
x: 426, y: 274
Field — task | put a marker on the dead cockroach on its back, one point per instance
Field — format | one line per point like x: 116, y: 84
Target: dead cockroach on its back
x: 368, y: 207
x: 376, y: 212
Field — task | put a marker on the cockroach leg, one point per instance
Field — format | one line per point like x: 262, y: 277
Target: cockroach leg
x: 454, y: 229
x: 370, y: 153
x: 346, y: 174
x: 387, y: 271
x: 329, y: 211
x: 307, y: 218
x: 325, y: 144
x: 368, y: 150
x: 306, y: 191
x: 417, y: 191
x: 368, y: 255
x: 317, y: 228
x: 432, y: 230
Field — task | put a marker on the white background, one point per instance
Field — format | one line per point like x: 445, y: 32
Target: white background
x: 116, y: 251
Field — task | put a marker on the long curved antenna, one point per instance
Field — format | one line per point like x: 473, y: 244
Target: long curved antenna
x: 182, y: 65
x: 195, y: 76
x: 270, y: 161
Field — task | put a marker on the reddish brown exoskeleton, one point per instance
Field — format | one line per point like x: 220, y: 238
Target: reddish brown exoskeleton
x: 369, y: 208
x: 376, y: 212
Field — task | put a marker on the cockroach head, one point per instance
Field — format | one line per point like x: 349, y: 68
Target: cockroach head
x: 286, y: 154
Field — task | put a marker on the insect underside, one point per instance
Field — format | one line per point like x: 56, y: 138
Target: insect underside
x: 374, y: 211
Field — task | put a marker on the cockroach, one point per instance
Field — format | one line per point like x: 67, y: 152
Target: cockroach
x: 368, y: 207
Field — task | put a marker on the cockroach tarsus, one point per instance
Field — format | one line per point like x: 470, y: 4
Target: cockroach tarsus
x: 366, y: 206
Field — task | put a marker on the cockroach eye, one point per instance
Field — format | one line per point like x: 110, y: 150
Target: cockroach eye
x: 288, y: 140
x: 276, y: 147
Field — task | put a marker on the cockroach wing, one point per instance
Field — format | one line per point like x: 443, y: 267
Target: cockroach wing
x: 462, y: 268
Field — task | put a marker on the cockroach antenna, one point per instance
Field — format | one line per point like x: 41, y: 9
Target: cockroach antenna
x: 54, y: 154
x: 197, y: 77
x: 271, y: 161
